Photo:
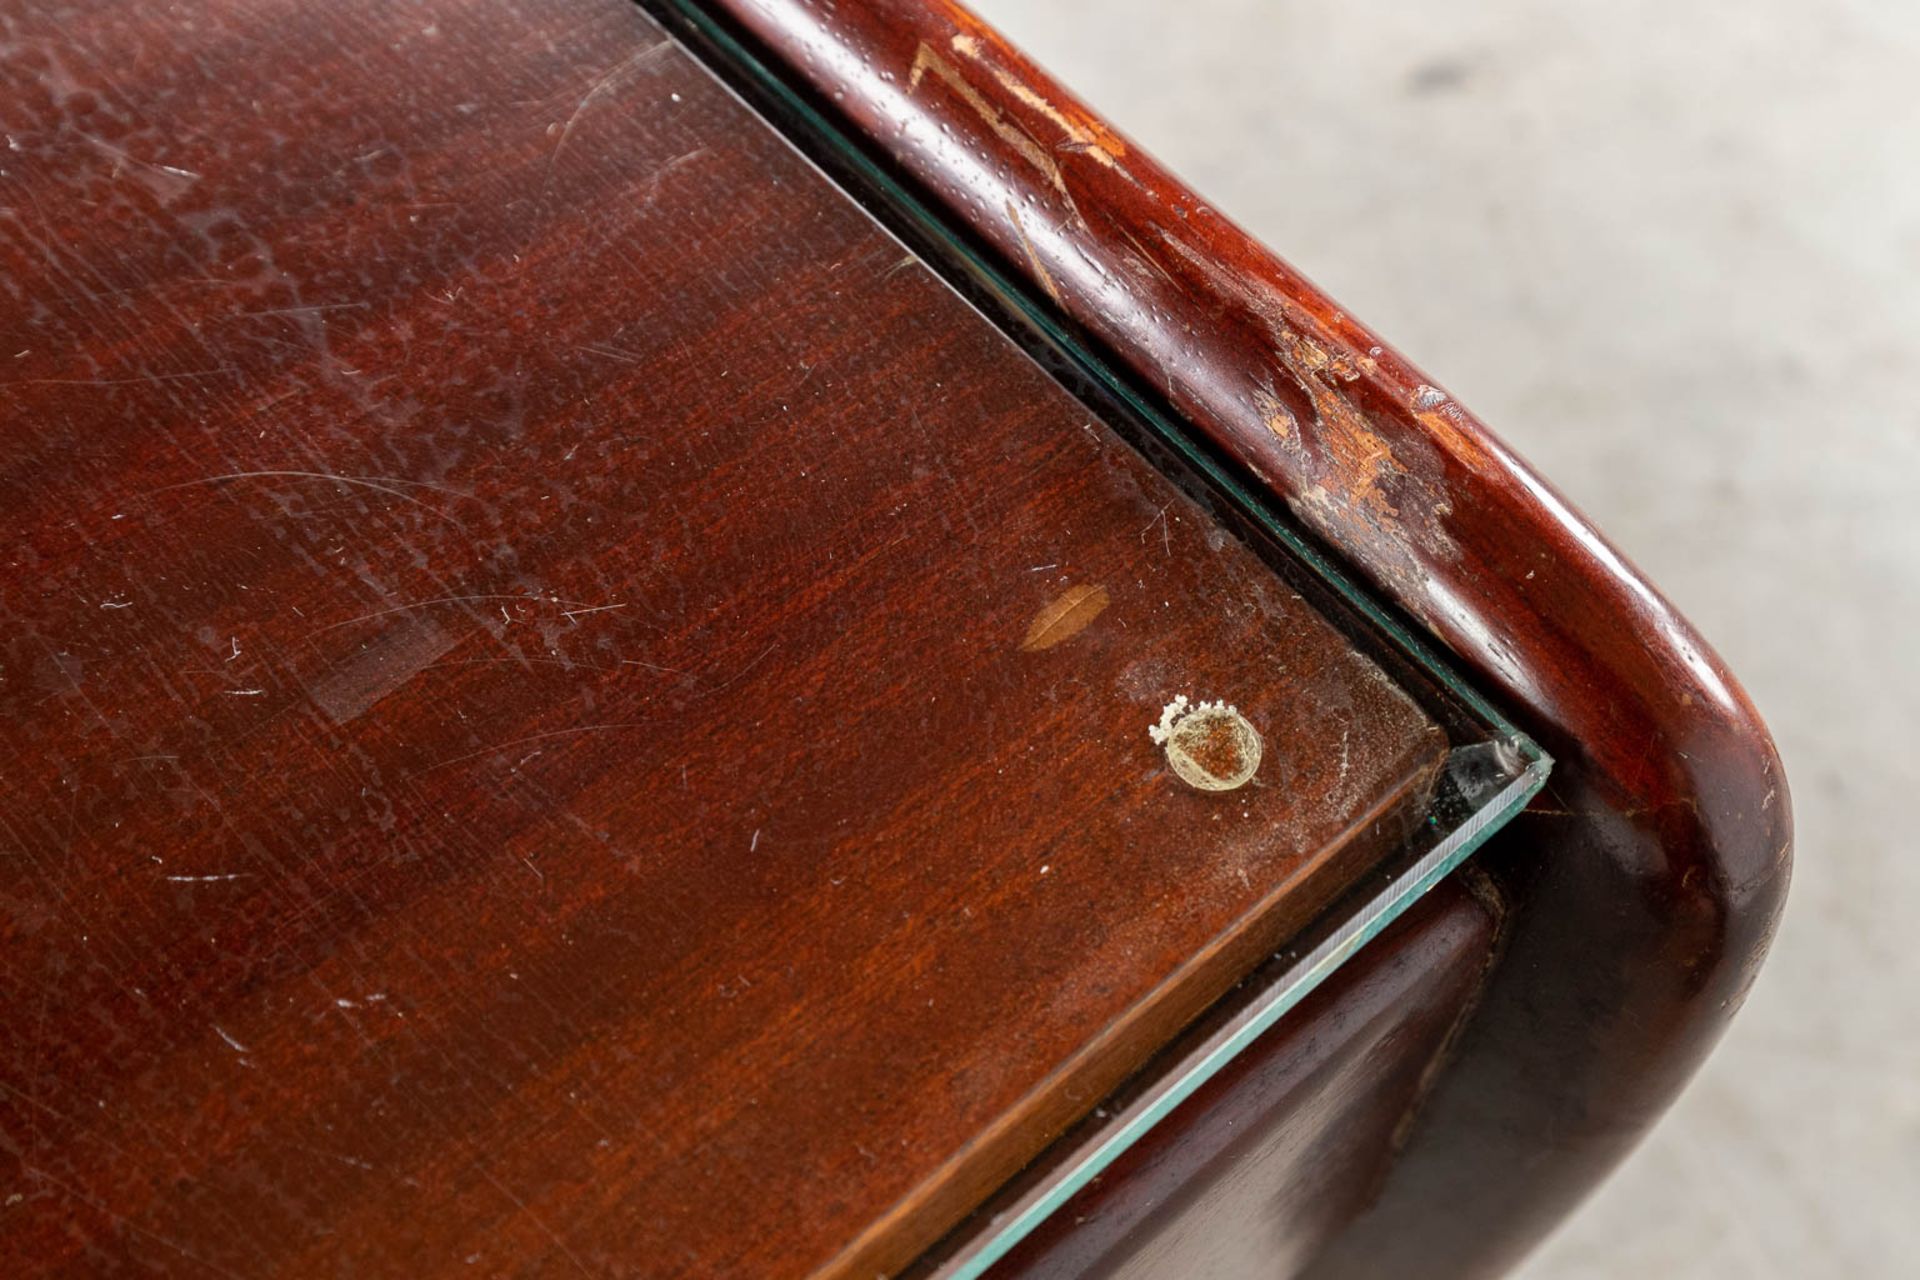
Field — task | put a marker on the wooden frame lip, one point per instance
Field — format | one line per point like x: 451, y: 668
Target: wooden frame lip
x: 1669, y: 812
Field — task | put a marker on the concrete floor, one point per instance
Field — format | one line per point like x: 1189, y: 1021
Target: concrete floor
x: 1672, y: 252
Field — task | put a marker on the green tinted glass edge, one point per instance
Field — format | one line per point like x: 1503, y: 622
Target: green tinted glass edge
x: 1300, y: 980
x: 1406, y: 888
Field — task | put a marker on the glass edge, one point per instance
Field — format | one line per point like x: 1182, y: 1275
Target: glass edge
x: 1228, y: 1042
x: 994, y: 1241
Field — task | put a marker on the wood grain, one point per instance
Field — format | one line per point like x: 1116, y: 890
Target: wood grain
x: 525, y: 744
x: 1646, y: 883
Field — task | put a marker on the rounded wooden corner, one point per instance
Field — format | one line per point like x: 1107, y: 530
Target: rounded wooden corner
x: 1644, y: 884
x: 1638, y: 917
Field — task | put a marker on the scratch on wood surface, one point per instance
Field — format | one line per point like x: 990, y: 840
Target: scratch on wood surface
x: 314, y: 309
x: 571, y: 614
x: 652, y: 666
x: 603, y: 85
x: 1066, y: 617
x: 438, y: 600
x: 352, y: 686
x: 1033, y: 257
x: 123, y: 159
x: 741, y: 674
x: 1358, y: 452
x: 187, y: 375
x: 1351, y: 482
x: 610, y: 353
x: 380, y: 484
x: 539, y: 737
x: 1146, y: 256
x: 1166, y: 530
x: 926, y: 59
x: 1441, y: 415
x: 1084, y: 133
x: 538, y: 1221
x: 652, y: 191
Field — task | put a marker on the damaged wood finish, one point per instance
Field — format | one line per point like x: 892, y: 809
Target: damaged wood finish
x: 1647, y: 881
x: 565, y: 708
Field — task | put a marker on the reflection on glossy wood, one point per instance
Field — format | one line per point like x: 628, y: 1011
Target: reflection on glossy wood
x: 565, y: 706
x: 1647, y: 880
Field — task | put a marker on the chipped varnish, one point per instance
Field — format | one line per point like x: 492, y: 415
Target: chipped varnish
x: 1644, y: 898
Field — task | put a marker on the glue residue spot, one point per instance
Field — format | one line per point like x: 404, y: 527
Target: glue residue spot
x: 1210, y: 745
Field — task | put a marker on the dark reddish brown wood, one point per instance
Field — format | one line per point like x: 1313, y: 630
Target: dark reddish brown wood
x: 1298, y: 1131
x: 564, y: 705
x: 1648, y: 881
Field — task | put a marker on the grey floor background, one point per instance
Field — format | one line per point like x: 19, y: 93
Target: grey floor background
x: 1671, y: 251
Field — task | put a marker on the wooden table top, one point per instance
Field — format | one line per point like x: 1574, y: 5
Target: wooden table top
x: 565, y: 705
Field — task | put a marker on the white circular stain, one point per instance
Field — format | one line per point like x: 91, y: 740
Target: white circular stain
x: 1209, y: 745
